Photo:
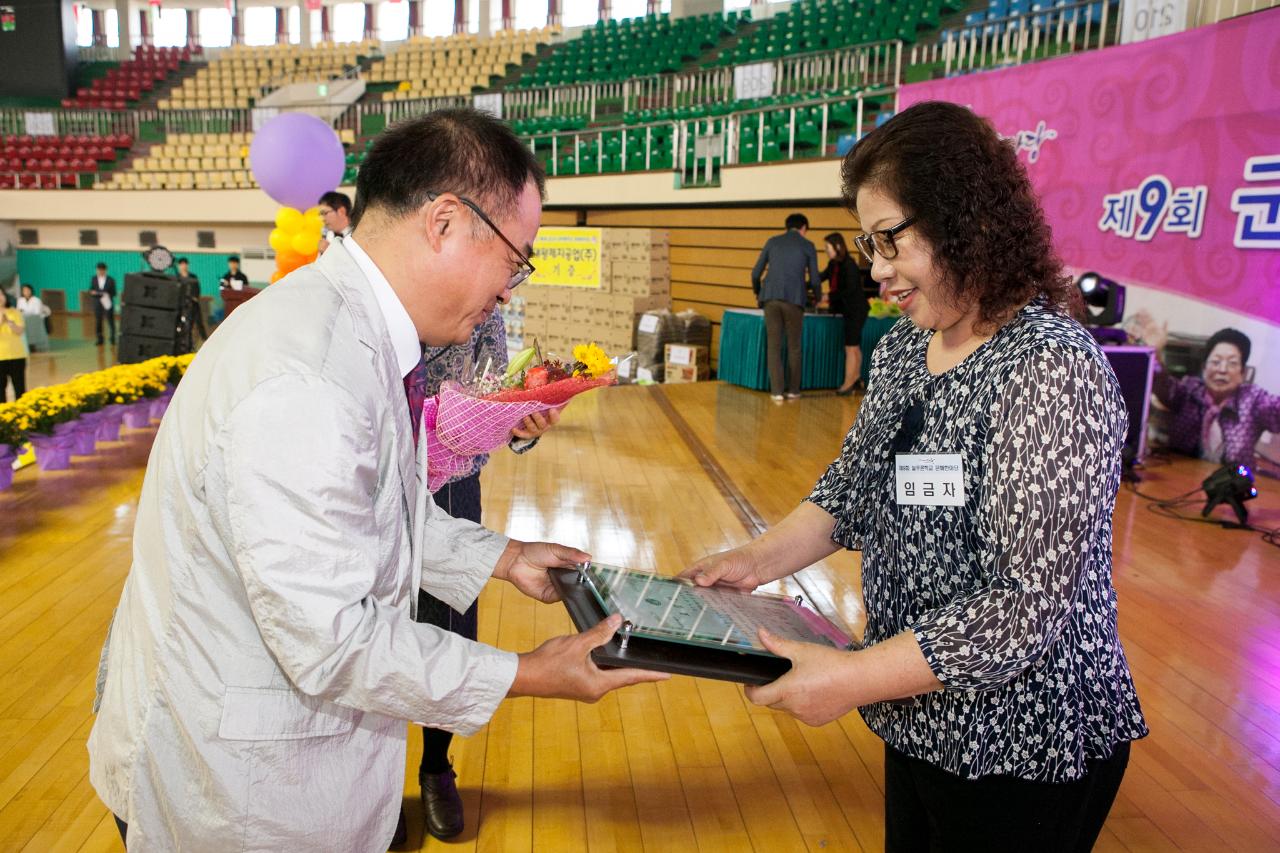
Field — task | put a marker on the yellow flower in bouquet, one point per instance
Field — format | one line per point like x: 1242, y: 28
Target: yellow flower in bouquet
x: 593, y: 361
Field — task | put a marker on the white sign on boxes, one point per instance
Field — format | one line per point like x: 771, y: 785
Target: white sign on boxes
x: 630, y: 274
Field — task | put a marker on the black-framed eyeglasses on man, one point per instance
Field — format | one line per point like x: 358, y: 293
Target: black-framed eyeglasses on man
x: 525, y: 268
x: 881, y: 242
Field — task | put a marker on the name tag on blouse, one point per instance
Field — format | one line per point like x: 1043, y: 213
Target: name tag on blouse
x: 929, y: 479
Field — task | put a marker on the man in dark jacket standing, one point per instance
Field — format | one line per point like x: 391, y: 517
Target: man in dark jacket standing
x: 788, y: 258
x: 102, y: 289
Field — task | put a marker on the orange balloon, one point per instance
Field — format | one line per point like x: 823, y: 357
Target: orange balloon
x: 277, y: 275
x: 288, y: 259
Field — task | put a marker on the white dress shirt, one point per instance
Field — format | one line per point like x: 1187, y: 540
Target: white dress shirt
x: 404, y: 336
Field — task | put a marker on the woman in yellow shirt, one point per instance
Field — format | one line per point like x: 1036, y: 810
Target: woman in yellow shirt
x: 13, y: 348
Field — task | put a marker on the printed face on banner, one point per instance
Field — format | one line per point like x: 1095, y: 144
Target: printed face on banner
x: 1154, y: 165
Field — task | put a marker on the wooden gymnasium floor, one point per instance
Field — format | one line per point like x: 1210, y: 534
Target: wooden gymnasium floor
x: 655, y: 478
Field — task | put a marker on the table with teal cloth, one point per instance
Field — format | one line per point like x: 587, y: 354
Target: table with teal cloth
x: 744, y: 356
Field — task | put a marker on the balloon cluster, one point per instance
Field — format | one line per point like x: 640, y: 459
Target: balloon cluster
x: 296, y: 158
x: 295, y: 239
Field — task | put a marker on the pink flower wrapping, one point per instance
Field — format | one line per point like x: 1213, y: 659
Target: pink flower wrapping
x: 459, y: 425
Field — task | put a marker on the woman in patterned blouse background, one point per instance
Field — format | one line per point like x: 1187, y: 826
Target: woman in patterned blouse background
x: 991, y: 663
x: 460, y: 497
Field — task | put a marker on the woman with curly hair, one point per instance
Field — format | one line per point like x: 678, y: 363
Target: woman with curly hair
x: 979, y: 482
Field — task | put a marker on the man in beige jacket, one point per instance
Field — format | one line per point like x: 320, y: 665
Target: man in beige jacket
x: 264, y: 658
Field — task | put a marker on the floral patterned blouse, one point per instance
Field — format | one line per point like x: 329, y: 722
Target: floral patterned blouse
x: 1009, y: 595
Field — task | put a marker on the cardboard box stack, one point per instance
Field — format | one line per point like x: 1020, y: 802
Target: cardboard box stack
x: 687, y: 363
x: 635, y: 277
x: 513, y: 314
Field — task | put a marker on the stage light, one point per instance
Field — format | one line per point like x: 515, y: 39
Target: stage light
x: 1230, y: 485
x: 1103, y: 294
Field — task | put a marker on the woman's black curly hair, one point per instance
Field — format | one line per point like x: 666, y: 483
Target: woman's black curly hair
x: 973, y: 204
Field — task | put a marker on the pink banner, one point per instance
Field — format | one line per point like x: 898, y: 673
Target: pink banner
x: 1157, y: 163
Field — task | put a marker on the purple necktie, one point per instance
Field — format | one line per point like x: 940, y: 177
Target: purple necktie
x: 415, y: 388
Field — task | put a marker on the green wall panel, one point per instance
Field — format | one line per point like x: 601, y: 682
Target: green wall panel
x: 69, y: 270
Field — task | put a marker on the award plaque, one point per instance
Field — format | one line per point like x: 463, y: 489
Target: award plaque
x: 672, y: 625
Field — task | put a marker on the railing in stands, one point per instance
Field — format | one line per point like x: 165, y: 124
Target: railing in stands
x: 1211, y: 11
x: 394, y: 111
x: 153, y: 123
x: 875, y: 64
x: 1016, y: 39
x: 558, y: 100
x: 14, y: 120
x: 728, y: 139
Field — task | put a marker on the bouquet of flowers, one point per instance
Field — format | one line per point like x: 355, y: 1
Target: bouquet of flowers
x: 478, y: 414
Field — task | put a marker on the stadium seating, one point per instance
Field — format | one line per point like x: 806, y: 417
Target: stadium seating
x: 239, y: 75
x: 812, y: 25
x: 991, y: 21
x: 190, y: 161
x: 50, y: 162
x: 453, y: 65
x: 129, y: 82
x: 635, y: 47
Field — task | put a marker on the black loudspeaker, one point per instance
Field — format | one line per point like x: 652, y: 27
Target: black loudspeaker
x: 149, y: 322
x: 134, y: 348
x: 154, y: 317
x: 152, y: 290
x: 1135, y: 368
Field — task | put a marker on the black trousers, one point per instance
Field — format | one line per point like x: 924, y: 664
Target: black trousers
x: 13, y: 370
x: 783, y: 319
x: 461, y: 499
x: 98, y: 314
x: 928, y: 809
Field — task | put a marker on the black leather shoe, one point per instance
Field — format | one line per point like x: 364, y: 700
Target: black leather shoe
x: 402, y: 831
x: 442, y: 804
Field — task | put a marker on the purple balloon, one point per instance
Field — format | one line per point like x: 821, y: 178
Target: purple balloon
x: 296, y: 158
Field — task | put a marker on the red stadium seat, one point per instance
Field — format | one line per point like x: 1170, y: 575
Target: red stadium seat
x: 7, y: 181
